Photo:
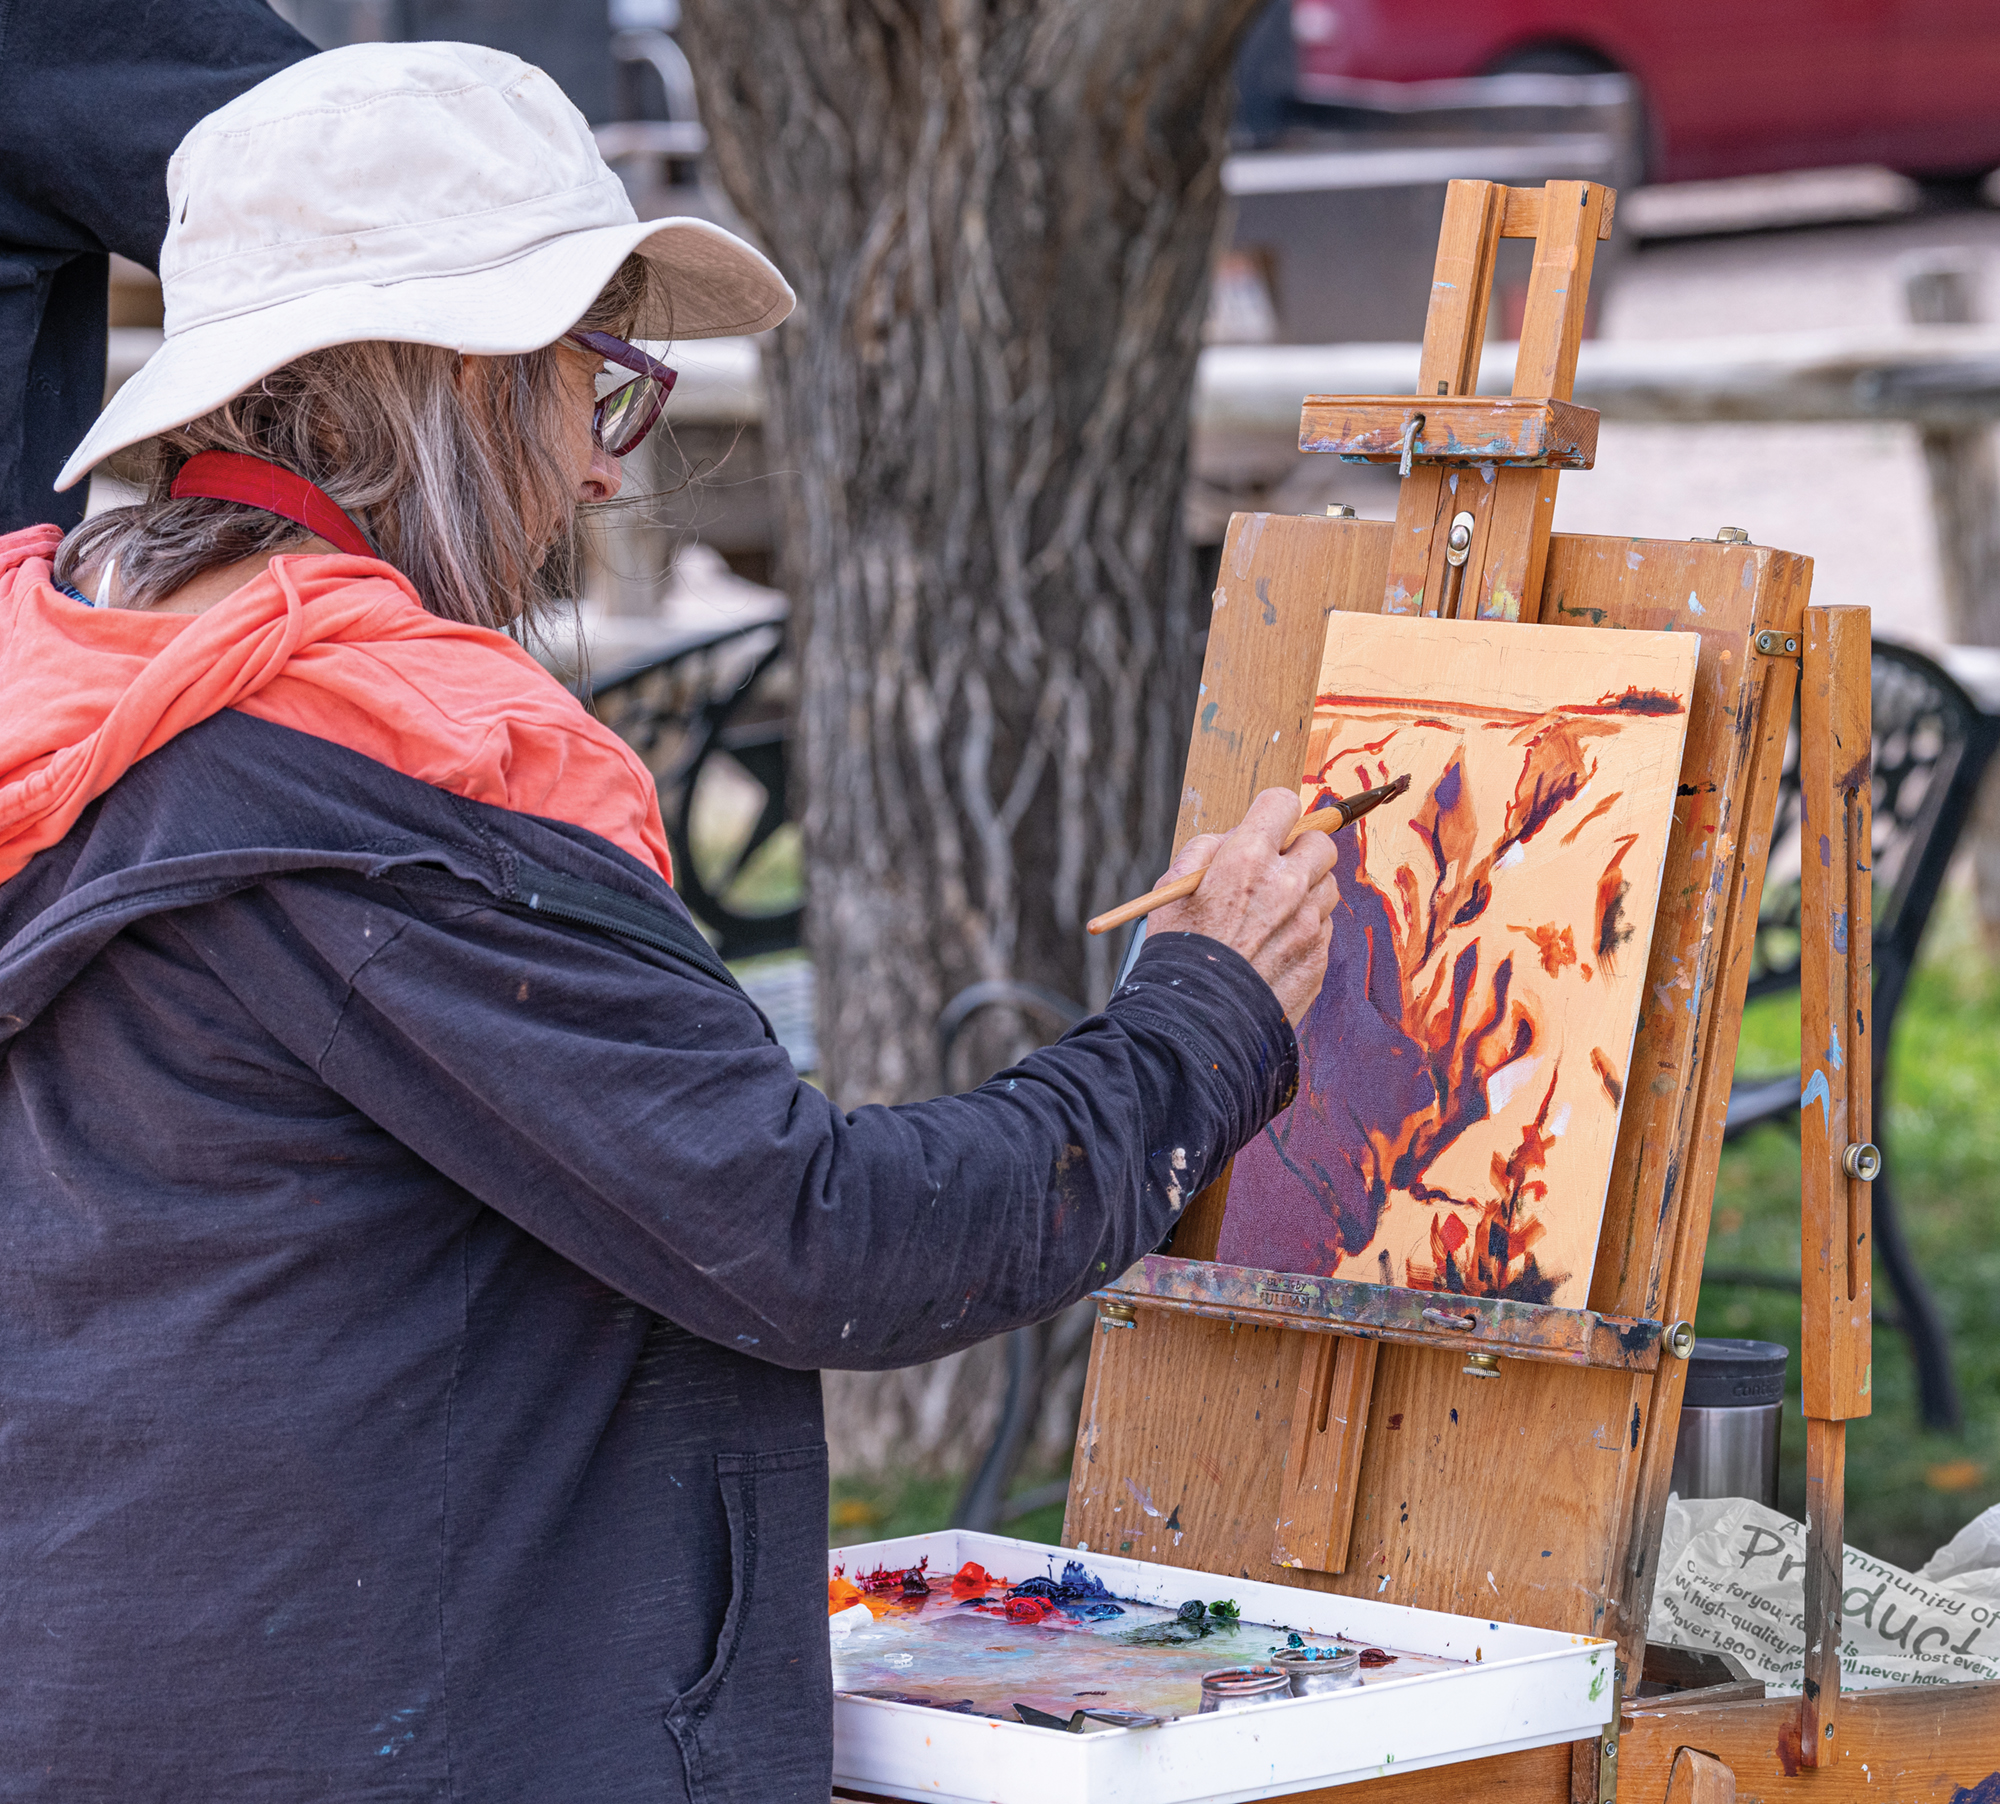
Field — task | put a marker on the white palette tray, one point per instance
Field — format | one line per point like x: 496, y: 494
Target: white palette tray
x: 1525, y: 1688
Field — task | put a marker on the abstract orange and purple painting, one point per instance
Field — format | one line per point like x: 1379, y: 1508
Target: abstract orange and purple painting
x: 1463, y: 1069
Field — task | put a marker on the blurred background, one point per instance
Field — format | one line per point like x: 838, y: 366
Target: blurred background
x: 1793, y: 334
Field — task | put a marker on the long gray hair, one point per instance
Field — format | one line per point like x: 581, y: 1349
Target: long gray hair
x: 455, y: 484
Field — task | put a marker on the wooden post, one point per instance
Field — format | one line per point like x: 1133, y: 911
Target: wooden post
x: 1516, y: 527
x: 1510, y: 509
x: 1942, y: 289
x: 1836, y: 1010
x: 1454, y: 334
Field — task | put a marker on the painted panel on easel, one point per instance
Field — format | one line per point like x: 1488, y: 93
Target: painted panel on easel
x: 1464, y: 1067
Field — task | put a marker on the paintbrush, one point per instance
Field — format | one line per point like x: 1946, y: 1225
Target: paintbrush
x: 1328, y: 817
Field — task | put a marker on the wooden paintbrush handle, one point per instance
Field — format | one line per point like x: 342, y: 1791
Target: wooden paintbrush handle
x: 1152, y: 899
x: 1321, y: 820
x: 1329, y: 818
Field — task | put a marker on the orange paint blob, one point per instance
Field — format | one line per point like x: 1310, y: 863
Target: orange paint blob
x: 973, y: 1580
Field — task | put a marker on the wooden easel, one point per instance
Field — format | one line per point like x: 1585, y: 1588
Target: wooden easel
x: 1353, y: 1438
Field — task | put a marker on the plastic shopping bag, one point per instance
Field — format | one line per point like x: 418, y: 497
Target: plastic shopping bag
x: 1731, y: 1580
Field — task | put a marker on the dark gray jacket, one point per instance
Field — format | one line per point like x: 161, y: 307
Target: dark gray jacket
x: 411, y: 1304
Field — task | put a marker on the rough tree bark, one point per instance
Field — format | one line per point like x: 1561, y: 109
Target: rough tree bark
x: 998, y: 215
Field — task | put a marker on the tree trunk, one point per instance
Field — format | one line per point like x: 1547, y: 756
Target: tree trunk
x: 998, y: 215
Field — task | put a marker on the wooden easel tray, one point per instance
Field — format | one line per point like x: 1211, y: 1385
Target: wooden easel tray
x: 1518, y: 1688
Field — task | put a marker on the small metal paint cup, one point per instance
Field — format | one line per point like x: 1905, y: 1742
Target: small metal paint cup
x: 1241, y: 1687
x: 1311, y: 1678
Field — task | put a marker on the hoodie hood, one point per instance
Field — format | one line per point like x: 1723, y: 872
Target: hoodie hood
x: 338, y: 647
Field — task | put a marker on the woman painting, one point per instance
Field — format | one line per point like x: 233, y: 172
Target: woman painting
x: 419, y: 1254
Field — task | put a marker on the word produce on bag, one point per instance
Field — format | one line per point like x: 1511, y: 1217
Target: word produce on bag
x: 1732, y: 1582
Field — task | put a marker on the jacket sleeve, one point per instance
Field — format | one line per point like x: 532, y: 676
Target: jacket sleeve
x: 636, y: 1118
x: 99, y: 92
x: 94, y: 95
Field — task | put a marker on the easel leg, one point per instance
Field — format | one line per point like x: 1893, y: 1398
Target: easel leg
x: 1834, y: 739
x: 1826, y: 1528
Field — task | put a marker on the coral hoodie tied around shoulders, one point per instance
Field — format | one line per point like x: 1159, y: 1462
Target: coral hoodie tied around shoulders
x: 335, y: 646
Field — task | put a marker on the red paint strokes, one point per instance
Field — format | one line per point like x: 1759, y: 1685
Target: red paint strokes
x: 1553, y: 774
x: 1653, y: 702
x: 1556, y: 945
x: 1503, y: 1261
x: 897, y: 1578
x: 1449, y: 828
x: 1425, y: 710
x: 1424, y: 1003
x: 1375, y: 1656
x: 1396, y: 1421
x: 1612, y: 929
x: 1609, y: 801
x: 1613, y: 1086
x: 1788, y: 1747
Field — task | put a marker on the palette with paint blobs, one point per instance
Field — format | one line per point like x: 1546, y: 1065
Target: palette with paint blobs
x: 1066, y: 1678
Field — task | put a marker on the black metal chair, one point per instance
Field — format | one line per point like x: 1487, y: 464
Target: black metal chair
x: 708, y: 713
x: 1932, y: 745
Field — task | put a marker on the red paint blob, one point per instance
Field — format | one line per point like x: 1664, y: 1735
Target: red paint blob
x: 973, y: 1580
x: 1029, y: 1609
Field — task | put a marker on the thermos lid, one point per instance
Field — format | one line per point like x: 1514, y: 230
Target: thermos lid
x: 1735, y: 1374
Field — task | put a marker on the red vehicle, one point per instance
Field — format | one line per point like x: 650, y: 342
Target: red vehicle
x: 1730, y: 87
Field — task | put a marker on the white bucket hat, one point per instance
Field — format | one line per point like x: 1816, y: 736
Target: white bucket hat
x: 439, y: 194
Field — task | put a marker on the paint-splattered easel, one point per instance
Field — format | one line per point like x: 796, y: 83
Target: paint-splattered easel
x: 1352, y: 1437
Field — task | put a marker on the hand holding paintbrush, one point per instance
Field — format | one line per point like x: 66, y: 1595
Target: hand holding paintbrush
x: 1329, y: 817
x: 1265, y: 890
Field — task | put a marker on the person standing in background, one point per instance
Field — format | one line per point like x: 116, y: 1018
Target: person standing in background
x: 94, y: 95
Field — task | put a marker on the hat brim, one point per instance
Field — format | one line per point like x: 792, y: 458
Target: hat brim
x: 712, y: 285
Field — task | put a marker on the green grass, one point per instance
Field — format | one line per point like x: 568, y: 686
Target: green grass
x: 1907, y: 1490
x: 880, y: 1509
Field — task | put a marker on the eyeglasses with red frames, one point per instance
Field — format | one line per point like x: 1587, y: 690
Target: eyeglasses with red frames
x: 630, y: 411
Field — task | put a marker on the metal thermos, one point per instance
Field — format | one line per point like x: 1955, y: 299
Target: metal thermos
x: 1730, y: 1417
